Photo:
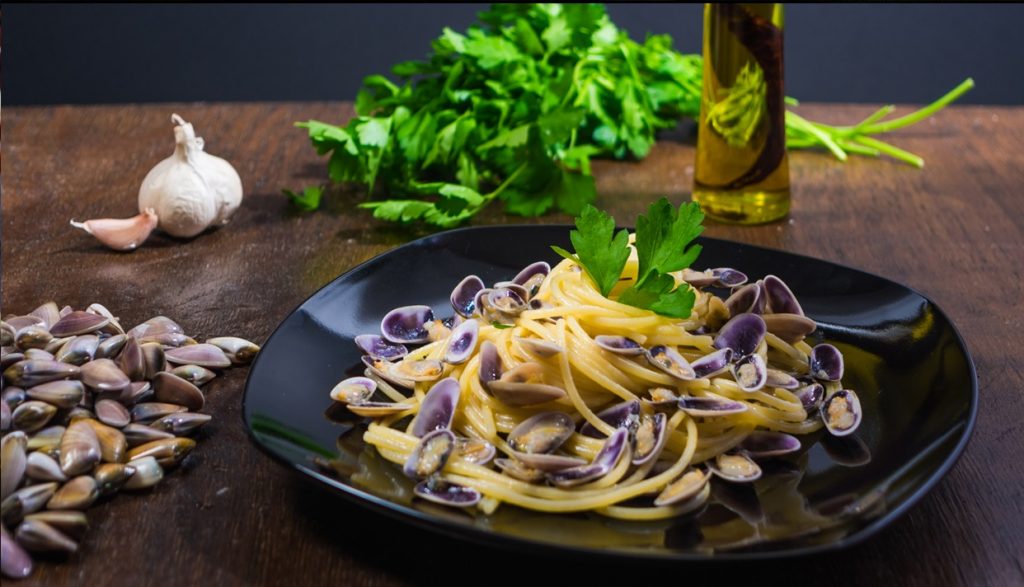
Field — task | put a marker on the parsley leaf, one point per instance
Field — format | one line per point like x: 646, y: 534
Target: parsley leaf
x: 601, y: 254
x: 308, y: 200
x: 662, y: 237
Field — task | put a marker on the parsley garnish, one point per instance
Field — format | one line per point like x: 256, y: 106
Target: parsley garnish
x: 663, y: 246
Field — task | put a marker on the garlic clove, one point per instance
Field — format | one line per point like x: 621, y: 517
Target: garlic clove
x: 122, y: 234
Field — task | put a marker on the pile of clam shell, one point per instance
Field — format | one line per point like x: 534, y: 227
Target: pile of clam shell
x: 89, y: 409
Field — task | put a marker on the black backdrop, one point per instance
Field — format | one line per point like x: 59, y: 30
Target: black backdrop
x: 172, y: 52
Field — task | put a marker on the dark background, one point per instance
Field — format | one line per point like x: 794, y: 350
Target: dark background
x: 901, y: 53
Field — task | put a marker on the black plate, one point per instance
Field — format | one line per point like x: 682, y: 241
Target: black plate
x: 909, y: 365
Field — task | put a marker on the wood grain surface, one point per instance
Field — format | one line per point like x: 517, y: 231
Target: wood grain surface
x: 230, y: 516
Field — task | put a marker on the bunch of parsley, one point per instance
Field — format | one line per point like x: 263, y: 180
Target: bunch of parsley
x: 515, y: 108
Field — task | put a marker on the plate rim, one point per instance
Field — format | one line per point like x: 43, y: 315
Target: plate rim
x: 408, y: 515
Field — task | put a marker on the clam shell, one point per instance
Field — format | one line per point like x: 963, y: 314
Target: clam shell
x: 619, y: 345
x: 490, y: 362
x: 79, y: 448
x: 670, y: 361
x: 78, y: 322
x: 46, y: 438
x: 378, y: 347
x: 462, y: 342
x: 38, y: 355
x: 7, y: 333
x: 750, y: 373
x: 522, y: 386
x: 14, y: 561
x: 131, y: 360
x: 172, y: 389
x: 64, y: 393
x: 463, y: 297
x: 621, y: 415
x: 34, y: 497
x: 69, y: 522
x: 49, y: 313
x: 430, y: 454
x: 518, y: 470
x: 149, y: 411
x: 32, y: 337
x: 743, y: 333
x: 32, y: 415
x: 688, y: 485
x: 28, y: 373
x: 760, y: 444
x: 712, y: 364
x: 147, y: 473
x: 168, y: 452
x: 112, y: 413
x: 136, y: 434
x: 153, y: 359
x: 737, y: 468
x: 13, y: 462
x: 354, y: 390
x: 194, y: 374
x: 604, y: 461
x: 544, y: 349
x: 474, y: 450
x: 204, y: 355
x: 112, y: 476
x: 789, y: 327
x: 750, y: 298
x: 649, y: 438
x: 113, y: 444
x: 239, y: 350
x: 841, y: 412
x: 184, y: 423
x: 5, y: 417
x: 541, y: 433
x: 79, y: 350
x: 41, y: 537
x: 104, y: 375
x: 155, y: 325
x: 826, y: 363
x: 781, y: 299
x: 438, y: 407
x: 445, y: 493
x: 77, y: 494
x: 110, y: 347
x: 41, y: 467
x: 405, y: 325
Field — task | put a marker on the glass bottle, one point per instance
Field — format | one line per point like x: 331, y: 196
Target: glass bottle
x: 741, y: 173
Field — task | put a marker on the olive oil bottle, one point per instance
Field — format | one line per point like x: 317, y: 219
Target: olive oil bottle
x: 741, y: 174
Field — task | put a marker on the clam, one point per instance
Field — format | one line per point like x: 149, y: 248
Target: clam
x: 619, y: 345
x: 19, y: 322
x: 539, y: 347
x: 523, y: 386
x: 781, y: 379
x: 78, y: 322
x: 101, y: 310
x: 718, y: 277
x: 155, y: 325
x: 383, y: 370
x: 38, y: 355
x: 41, y: 537
x: 463, y: 297
x: 735, y: 467
x: 761, y: 444
x: 41, y: 467
x: 147, y: 473
x: 32, y: 415
x: 167, y: 339
x: 113, y: 444
x: 64, y: 393
x: 69, y: 522
x: 670, y: 361
x: 541, y: 433
x: 430, y: 455
x: 204, y: 355
x: 780, y: 298
x: 13, y: 462
x: 34, y: 497
x: 109, y: 348
x: 604, y: 461
x: 698, y: 279
x: 378, y: 347
x: 7, y: 333
x: 77, y: 494
x: 508, y: 300
x: 742, y: 333
x: 27, y: 373
x: 49, y: 313
x: 11, y: 510
x: 438, y: 408
x: 53, y: 347
x: 789, y: 327
x: 112, y: 476
x: 239, y: 350
x: 826, y: 363
x: 474, y: 450
x: 138, y: 391
x: 11, y: 358
x: 662, y: 398
x: 112, y: 413
x: 750, y: 298
x: 688, y: 485
x: 194, y: 374
x: 79, y: 448
x: 621, y: 415
x: 12, y: 396
x: 649, y: 438
x: 841, y: 412
x: 136, y: 434
x: 354, y: 390
x: 518, y: 470
x: 490, y: 363
x: 405, y: 325
x: 750, y: 373
x: 32, y: 337
x: 149, y: 411
x: 532, y: 277
x: 79, y: 350
x: 378, y: 409
x: 462, y: 342
x: 172, y: 389
x: 712, y: 364
x: 444, y: 493
x: 5, y: 417
x: 153, y: 360
x: 810, y: 396
x: 416, y: 370
x: 46, y: 438
x: 168, y: 452
x: 104, y: 375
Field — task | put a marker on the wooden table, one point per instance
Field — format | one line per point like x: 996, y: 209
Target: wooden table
x: 954, y: 231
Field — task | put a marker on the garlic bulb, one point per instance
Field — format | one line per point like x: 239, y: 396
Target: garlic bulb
x: 191, y: 190
x: 122, y: 234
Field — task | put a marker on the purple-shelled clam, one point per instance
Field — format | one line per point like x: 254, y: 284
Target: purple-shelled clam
x: 480, y: 302
x: 438, y: 407
x: 407, y: 325
x: 670, y: 361
x: 507, y: 300
x: 379, y: 409
x: 490, y: 363
x: 826, y: 363
x: 621, y: 415
x: 760, y: 444
x: 781, y: 379
x: 841, y: 412
x: 382, y: 369
x: 532, y: 277
x: 619, y: 345
x: 463, y: 297
x: 649, y: 438
x: 474, y: 450
x: 544, y: 349
x: 712, y: 364
x: 416, y: 370
x: 735, y: 467
x: 729, y: 277
x: 462, y: 342
x: 662, y: 398
x: 810, y: 396
x: 523, y: 385
x: 691, y: 483
x: 445, y: 493
x: 699, y: 279
x: 750, y: 373
x: 77, y: 322
x: 378, y: 347
x: 742, y: 333
x: 710, y: 405
x: 780, y: 298
x: 430, y: 454
x: 519, y: 470
x: 541, y: 433
x: 748, y: 299
x: 603, y: 462
x: 789, y: 327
